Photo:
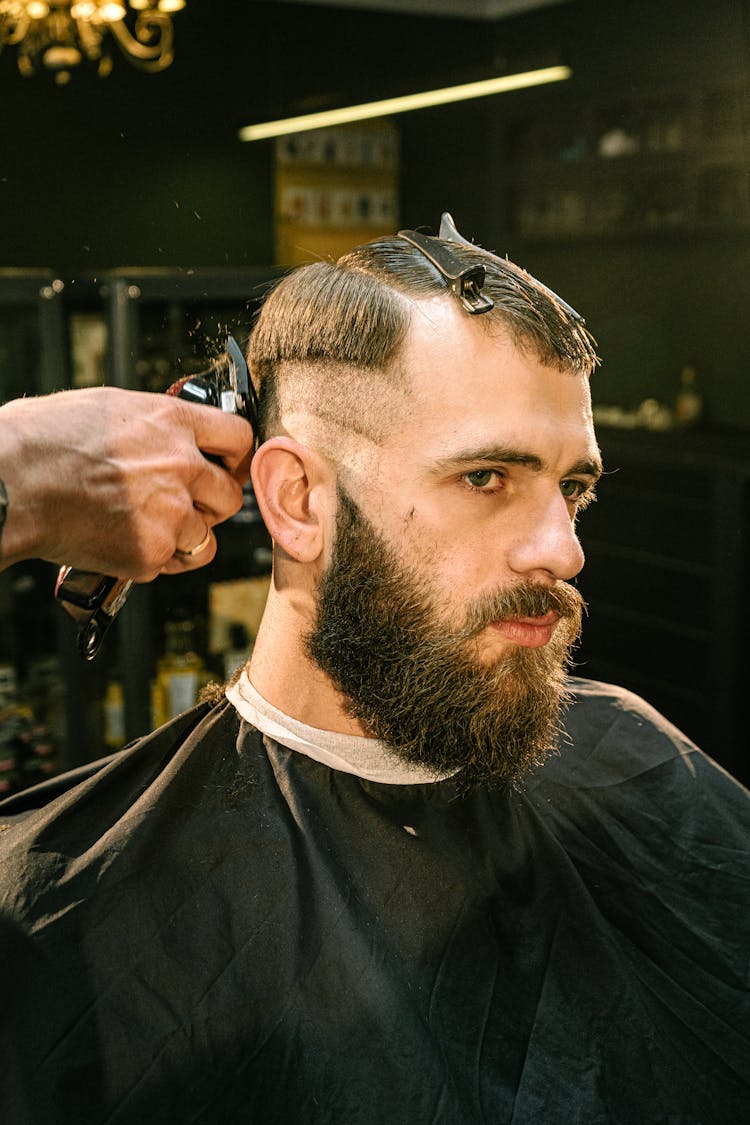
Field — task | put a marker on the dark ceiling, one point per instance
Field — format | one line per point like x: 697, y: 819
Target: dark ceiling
x: 455, y: 9
x: 236, y: 63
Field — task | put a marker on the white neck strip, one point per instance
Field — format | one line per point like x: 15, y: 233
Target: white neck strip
x: 364, y: 757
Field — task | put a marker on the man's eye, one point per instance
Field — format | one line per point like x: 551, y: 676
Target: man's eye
x: 480, y: 478
x: 577, y: 490
x: 571, y: 489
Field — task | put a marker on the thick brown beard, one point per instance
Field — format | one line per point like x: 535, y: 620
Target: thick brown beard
x: 417, y: 684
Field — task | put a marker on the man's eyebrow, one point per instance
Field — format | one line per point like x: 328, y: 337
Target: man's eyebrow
x: 494, y: 455
x: 489, y: 455
x: 589, y: 468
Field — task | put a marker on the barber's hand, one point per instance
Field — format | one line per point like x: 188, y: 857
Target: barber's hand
x: 115, y: 481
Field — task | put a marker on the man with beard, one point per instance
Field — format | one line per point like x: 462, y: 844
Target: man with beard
x: 407, y: 871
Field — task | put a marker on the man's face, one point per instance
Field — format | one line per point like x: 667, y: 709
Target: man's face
x: 445, y: 617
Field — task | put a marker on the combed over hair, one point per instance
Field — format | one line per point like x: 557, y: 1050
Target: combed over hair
x: 347, y: 319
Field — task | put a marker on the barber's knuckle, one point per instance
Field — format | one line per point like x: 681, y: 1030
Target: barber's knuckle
x: 158, y: 550
x: 176, y: 508
x: 184, y: 506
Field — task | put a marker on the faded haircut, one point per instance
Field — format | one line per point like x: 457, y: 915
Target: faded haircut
x: 328, y: 337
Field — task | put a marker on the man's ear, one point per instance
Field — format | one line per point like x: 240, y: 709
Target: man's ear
x: 292, y: 485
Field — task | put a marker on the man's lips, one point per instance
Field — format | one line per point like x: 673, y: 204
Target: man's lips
x: 530, y: 632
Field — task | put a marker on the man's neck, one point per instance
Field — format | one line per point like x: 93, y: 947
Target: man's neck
x: 283, y: 673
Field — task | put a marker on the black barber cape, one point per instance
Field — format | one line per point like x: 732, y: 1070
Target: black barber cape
x: 213, y: 928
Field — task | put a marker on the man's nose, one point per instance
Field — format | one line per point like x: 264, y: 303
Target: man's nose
x: 547, y: 546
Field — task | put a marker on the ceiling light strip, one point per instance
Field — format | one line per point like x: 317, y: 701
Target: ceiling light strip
x: 403, y: 104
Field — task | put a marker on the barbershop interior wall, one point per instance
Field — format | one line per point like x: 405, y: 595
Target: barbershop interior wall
x: 147, y: 170
x: 655, y: 302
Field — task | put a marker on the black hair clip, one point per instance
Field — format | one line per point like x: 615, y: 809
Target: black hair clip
x: 465, y: 281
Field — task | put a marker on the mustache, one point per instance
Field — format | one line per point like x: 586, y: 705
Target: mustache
x: 524, y: 599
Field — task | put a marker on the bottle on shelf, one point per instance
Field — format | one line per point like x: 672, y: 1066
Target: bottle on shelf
x: 114, y: 715
x: 180, y: 672
x: 43, y: 689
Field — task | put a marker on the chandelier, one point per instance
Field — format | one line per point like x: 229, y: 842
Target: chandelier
x: 60, y: 34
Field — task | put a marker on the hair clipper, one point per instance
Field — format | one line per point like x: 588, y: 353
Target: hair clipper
x: 94, y: 600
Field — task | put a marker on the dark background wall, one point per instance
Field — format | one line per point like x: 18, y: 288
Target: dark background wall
x: 147, y: 170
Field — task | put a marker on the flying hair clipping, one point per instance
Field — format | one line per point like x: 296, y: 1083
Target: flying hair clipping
x: 467, y: 282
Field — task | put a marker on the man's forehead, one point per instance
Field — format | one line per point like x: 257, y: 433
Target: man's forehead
x: 445, y: 348
x: 438, y: 322
x: 471, y: 388
x: 449, y: 356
